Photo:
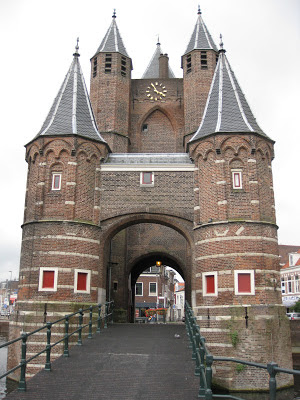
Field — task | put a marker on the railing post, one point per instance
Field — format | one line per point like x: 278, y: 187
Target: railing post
x: 66, y: 349
x: 272, y: 382
x: 208, y: 391
x: 202, y: 368
x: 105, y: 317
x: 193, y: 338
x: 48, y: 347
x: 80, y: 319
x: 99, y: 319
x: 197, y: 368
x: 90, y: 323
x: 22, y: 383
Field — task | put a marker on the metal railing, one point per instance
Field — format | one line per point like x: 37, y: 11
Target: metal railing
x: 204, y: 362
x: 105, y: 318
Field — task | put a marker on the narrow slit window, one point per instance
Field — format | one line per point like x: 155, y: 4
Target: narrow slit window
x: 188, y: 63
x: 237, y: 182
x: 145, y: 128
x: 123, y: 66
x: 56, y: 181
x: 95, y: 67
x: 108, y: 62
x: 203, y: 58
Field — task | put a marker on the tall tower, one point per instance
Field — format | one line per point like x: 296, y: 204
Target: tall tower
x: 60, y: 241
x: 110, y: 88
x: 236, y: 293
x: 198, y: 63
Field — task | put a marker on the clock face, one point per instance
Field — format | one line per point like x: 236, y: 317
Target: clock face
x: 156, y: 91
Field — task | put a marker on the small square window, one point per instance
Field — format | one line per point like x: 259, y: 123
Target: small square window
x: 244, y: 282
x: 139, y: 289
x: 56, y: 181
x: 210, y: 283
x: 145, y: 128
x: 48, y: 279
x: 237, y: 179
x: 147, y: 179
x: 152, y: 289
x: 82, y: 281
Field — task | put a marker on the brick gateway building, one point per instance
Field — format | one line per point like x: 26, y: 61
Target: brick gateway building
x: 158, y: 168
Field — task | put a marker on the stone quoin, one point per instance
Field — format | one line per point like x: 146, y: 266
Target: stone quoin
x: 157, y: 168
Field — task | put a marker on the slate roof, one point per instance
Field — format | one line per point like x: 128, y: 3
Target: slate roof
x: 201, y: 38
x: 112, y: 42
x: 71, y: 112
x: 226, y: 110
x: 152, y: 71
x: 148, y: 158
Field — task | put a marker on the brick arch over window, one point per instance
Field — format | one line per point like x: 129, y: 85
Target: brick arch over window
x: 157, y: 133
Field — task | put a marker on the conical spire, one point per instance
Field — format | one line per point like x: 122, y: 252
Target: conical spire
x: 152, y: 71
x: 201, y: 38
x: 71, y: 112
x: 112, y: 42
x: 226, y: 110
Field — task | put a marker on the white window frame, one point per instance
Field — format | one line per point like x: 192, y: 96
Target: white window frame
x: 54, y: 174
x: 41, y: 275
x: 204, y: 286
x: 140, y: 283
x: 153, y: 294
x: 236, y: 287
x: 289, y: 285
x: 88, y: 280
x: 296, y: 290
x: 283, y: 287
x: 239, y: 173
x: 142, y: 179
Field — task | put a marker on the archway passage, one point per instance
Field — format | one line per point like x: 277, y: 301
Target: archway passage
x: 153, y: 281
x: 137, y: 247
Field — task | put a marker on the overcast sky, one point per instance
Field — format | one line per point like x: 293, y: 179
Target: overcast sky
x: 262, y: 40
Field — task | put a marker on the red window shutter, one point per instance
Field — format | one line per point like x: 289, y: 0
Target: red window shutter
x: 48, y: 279
x: 210, y: 284
x: 244, y: 283
x: 82, y: 281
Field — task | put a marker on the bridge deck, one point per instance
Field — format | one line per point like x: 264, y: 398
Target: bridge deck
x: 125, y: 361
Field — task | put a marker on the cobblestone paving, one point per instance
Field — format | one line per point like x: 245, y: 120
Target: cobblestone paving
x: 125, y: 361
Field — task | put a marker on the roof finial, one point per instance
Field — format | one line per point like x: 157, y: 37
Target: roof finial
x: 76, y: 54
x: 158, y: 42
x: 114, y: 14
x: 221, y: 42
x: 199, y: 11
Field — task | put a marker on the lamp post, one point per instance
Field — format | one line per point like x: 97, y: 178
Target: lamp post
x: 9, y: 294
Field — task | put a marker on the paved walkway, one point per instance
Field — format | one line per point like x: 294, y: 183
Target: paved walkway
x: 125, y: 361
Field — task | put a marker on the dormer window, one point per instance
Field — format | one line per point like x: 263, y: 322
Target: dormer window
x: 188, y: 63
x: 108, y: 60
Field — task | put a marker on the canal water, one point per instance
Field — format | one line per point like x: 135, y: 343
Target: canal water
x: 7, y: 386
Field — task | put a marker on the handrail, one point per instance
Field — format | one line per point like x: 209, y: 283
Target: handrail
x: 108, y: 315
x: 204, y: 361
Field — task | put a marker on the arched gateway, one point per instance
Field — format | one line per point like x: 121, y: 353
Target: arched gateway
x: 168, y: 167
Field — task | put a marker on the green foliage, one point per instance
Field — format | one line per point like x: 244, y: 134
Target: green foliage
x: 296, y: 307
x: 234, y: 338
x: 240, y: 368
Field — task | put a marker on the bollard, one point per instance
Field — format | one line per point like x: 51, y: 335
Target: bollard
x: 48, y: 347
x: 66, y: 349
x: 22, y: 382
x: 99, y: 319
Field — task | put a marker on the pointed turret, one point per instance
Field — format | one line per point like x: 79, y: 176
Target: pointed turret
x: 111, y: 69
x: 112, y: 41
x: 198, y: 63
x: 71, y: 112
x: 226, y: 110
x: 158, y: 66
x: 201, y: 38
